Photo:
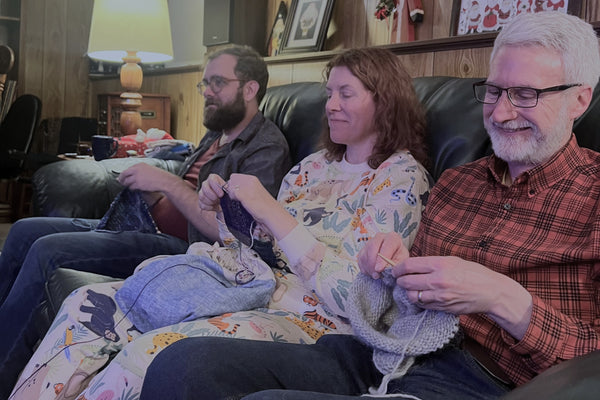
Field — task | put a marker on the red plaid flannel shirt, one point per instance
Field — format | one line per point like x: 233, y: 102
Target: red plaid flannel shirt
x: 544, y: 232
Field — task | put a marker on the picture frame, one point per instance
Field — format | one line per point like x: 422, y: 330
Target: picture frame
x: 306, y: 26
x: 480, y: 16
x: 275, y: 38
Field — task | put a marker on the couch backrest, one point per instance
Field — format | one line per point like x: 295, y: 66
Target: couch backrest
x: 455, y: 131
x: 298, y: 109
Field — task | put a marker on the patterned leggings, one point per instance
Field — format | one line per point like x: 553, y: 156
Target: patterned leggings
x: 90, y: 329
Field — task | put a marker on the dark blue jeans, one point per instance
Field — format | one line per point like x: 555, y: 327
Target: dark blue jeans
x: 336, y: 367
x: 34, y: 248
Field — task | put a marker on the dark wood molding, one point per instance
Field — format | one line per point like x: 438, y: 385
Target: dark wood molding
x: 420, y: 46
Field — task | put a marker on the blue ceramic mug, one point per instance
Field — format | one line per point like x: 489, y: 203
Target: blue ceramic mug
x: 104, y: 147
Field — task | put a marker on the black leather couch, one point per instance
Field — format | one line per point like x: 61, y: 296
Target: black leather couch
x: 455, y: 136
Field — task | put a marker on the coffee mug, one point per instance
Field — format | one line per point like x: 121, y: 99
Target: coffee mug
x: 104, y: 147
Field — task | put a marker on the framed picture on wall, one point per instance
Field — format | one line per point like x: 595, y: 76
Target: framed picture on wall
x: 274, y: 42
x: 306, y: 26
x: 477, y: 16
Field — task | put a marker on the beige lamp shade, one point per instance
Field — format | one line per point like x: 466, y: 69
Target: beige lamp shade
x: 138, y: 26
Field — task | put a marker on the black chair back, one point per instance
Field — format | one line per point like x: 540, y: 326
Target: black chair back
x: 16, y: 134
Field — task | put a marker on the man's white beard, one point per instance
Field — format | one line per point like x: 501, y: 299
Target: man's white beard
x: 532, y: 147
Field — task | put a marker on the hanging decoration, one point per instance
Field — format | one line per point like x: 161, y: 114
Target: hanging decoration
x: 384, y: 9
x: 403, y: 14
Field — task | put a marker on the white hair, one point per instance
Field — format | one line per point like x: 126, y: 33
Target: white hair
x: 573, y: 38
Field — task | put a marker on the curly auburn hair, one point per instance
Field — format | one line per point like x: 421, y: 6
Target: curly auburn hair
x: 399, y: 117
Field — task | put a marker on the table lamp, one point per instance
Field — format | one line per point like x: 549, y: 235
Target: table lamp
x: 131, y: 31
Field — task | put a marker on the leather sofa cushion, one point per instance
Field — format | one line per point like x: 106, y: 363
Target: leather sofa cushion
x: 298, y: 109
x: 83, y: 188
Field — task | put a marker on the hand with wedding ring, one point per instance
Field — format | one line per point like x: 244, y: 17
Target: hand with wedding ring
x: 449, y: 284
x: 460, y: 287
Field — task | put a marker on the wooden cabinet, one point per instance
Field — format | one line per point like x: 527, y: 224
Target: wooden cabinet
x: 155, y: 110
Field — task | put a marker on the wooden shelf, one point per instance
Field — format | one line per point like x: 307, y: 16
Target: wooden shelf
x: 420, y: 46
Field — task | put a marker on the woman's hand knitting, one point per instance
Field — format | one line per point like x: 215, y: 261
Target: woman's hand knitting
x: 211, y: 192
x: 383, y: 247
x: 266, y: 210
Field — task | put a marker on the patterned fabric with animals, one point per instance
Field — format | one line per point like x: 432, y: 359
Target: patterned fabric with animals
x: 340, y: 204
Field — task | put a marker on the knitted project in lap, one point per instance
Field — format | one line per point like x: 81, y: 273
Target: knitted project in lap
x: 128, y: 212
x: 383, y: 317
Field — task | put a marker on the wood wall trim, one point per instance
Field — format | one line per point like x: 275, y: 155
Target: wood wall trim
x: 421, y: 46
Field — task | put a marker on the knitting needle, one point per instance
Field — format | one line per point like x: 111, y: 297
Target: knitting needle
x: 387, y: 260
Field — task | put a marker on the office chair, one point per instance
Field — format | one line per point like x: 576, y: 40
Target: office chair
x: 16, y: 134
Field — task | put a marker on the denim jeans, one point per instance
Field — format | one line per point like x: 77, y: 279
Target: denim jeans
x: 34, y: 248
x: 336, y: 367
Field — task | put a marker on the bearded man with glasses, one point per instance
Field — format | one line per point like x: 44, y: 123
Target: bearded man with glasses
x: 240, y: 140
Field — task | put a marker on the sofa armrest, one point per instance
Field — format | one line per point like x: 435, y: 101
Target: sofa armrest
x: 83, y: 188
x: 578, y: 378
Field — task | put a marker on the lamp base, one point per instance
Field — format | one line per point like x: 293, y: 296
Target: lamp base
x: 131, y: 119
x: 131, y: 80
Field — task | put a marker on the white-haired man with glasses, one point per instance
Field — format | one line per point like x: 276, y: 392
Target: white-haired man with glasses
x: 509, y: 243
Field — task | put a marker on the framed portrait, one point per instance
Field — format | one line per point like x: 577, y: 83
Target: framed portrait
x: 478, y: 16
x: 276, y: 36
x: 306, y: 26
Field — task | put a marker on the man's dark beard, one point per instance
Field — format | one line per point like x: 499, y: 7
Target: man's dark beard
x: 225, y: 117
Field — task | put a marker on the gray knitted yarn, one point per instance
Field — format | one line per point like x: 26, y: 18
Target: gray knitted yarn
x: 383, y: 317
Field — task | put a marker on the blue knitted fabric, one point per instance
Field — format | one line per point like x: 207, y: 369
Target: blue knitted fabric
x: 187, y: 287
x: 128, y: 212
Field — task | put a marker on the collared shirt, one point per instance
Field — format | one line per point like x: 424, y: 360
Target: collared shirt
x: 542, y: 231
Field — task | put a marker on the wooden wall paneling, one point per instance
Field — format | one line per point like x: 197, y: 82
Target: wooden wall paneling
x: 280, y: 74
x: 187, y: 106
x: 417, y: 65
x: 592, y: 11
x: 54, y: 67
x: 467, y: 63
x: 442, y: 15
x: 77, y: 100
x: 308, y: 71
x: 348, y: 27
x: 31, y: 49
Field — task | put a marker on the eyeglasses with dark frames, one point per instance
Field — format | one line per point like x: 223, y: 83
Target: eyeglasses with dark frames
x: 519, y: 96
x: 216, y: 83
